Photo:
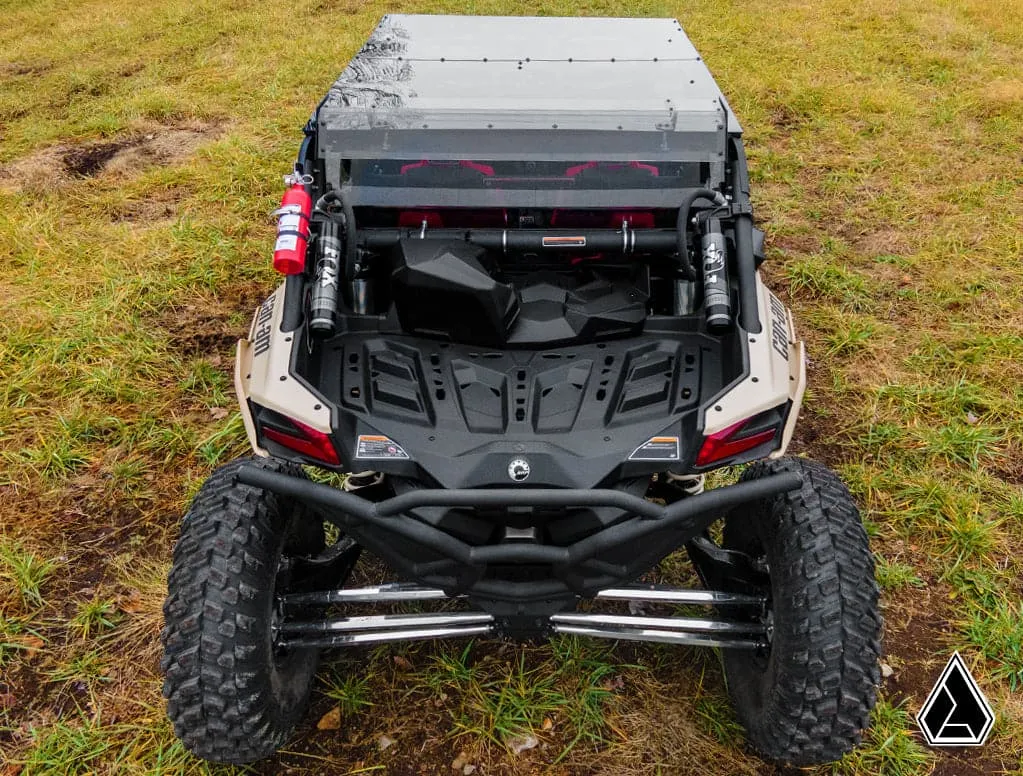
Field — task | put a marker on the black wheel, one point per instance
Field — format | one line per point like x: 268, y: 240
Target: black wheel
x: 806, y: 698
x: 231, y: 695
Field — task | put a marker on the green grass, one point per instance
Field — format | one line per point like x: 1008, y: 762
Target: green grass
x: 509, y: 706
x: 883, y: 140
x: 850, y: 334
x: 25, y: 572
x: 224, y: 443
x: 891, y: 748
x: 559, y: 694
x: 84, y: 746
x: 714, y: 713
x: 820, y: 277
x: 67, y: 749
x: 94, y: 617
x: 88, y: 667
x: 892, y: 574
x: 17, y: 636
x: 997, y: 631
x: 59, y: 455
x: 351, y: 693
x: 208, y: 384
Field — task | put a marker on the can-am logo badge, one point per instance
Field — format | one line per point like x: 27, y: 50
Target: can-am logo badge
x: 956, y: 713
x: 518, y: 469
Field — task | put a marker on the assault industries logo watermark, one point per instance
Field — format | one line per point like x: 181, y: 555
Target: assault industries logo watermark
x: 956, y: 712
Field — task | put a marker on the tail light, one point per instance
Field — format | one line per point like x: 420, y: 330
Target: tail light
x: 742, y: 437
x: 300, y: 438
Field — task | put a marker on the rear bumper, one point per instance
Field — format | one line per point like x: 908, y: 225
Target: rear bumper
x: 519, y: 571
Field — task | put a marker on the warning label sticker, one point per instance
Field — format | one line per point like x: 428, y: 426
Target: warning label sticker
x: 379, y: 447
x: 289, y: 223
x: 286, y: 242
x: 657, y: 449
x: 564, y: 242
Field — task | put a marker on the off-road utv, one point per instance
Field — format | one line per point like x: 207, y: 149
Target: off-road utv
x: 521, y: 318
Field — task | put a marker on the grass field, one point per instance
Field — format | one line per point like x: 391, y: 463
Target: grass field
x: 141, y: 151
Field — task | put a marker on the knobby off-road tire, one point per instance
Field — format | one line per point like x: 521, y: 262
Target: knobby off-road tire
x: 809, y: 698
x: 231, y: 698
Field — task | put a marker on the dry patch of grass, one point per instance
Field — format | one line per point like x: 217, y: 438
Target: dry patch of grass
x: 124, y: 156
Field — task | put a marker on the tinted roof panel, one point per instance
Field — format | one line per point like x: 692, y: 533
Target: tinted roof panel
x: 495, y: 75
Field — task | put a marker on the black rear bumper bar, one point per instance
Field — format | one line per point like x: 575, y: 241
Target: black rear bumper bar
x: 577, y: 569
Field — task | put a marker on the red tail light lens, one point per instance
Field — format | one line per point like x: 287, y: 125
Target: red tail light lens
x: 304, y: 441
x: 731, y: 441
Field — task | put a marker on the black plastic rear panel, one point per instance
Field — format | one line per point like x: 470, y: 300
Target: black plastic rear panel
x: 463, y: 412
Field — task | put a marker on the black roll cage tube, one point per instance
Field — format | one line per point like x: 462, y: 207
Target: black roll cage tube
x: 742, y: 212
x: 622, y: 240
x: 634, y: 240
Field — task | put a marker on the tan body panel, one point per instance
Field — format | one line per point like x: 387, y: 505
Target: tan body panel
x: 777, y: 372
x: 261, y: 373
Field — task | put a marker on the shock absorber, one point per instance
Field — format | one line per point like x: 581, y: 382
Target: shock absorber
x: 717, y: 302
x: 323, y: 299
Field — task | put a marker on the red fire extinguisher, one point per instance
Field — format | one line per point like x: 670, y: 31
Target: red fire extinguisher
x: 293, y: 226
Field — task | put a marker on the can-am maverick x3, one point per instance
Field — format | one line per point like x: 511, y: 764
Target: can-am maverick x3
x: 522, y: 313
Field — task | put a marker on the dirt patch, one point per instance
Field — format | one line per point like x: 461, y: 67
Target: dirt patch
x: 58, y: 165
x: 346, y: 7
x: 25, y: 68
x: 131, y: 69
x: 206, y: 329
x: 89, y: 160
x: 917, y: 630
x: 796, y: 244
x: 158, y: 207
x: 83, y: 528
x: 163, y: 146
x: 917, y: 644
x: 1002, y: 96
x: 1009, y: 467
x: 787, y: 118
x: 816, y: 434
x: 36, y: 172
x: 883, y: 242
